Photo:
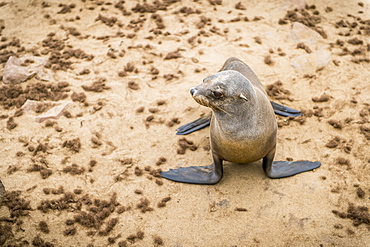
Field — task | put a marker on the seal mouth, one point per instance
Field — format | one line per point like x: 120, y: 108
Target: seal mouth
x: 202, y: 100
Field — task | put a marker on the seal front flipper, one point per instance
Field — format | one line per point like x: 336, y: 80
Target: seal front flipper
x: 198, y: 124
x: 285, y: 111
x: 282, y: 169
x: 195, y: 174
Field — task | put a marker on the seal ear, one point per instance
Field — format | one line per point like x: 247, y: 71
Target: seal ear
x: 243, y: 97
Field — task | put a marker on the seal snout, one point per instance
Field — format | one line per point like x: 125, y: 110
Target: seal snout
x: 198, y: 96
x: 192, y: 91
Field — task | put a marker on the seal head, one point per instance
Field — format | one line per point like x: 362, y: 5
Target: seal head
x: 224, y: 91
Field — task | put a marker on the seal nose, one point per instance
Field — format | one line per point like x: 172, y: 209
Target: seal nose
x: 192, y: 91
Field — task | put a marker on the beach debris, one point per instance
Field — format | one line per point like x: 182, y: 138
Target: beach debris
x: 318, y: 56
x: 18, y: 70
x: 289, y: 4
x: 53, y: 113
x: 301, y: 33
x: 310, y: 63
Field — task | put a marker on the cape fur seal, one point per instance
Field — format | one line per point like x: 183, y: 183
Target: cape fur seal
x: 243, y: 126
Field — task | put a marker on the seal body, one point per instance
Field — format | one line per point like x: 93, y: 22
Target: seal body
x: 243, y: 126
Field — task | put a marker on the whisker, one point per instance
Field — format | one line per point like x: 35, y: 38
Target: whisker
x: 219, y: 108
x: 203, y: 101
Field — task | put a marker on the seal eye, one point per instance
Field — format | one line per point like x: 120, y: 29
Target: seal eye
x: 217, y: 94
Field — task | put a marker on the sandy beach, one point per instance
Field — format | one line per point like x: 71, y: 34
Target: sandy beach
x: 120, y: 73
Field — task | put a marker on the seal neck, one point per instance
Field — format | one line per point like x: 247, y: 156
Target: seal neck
x: 234, y: 118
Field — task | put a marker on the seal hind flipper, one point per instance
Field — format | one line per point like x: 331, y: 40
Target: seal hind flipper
x: 194, y: 175
x: 282, y: 169
x: 195, y: 125
x: 285, y: 111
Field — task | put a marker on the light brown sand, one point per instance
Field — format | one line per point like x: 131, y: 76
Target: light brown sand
x: 295, y: 211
